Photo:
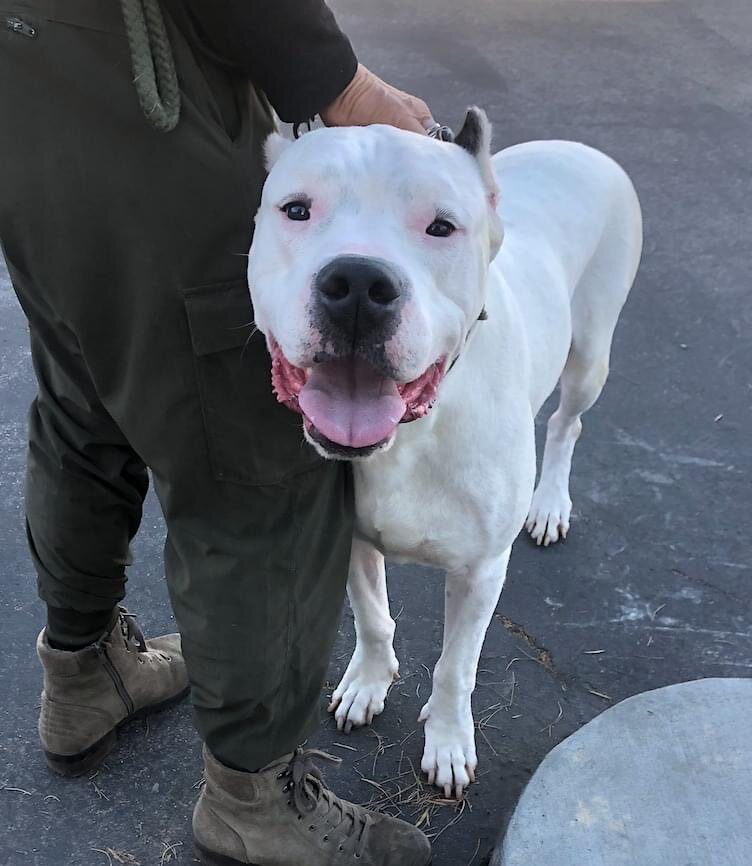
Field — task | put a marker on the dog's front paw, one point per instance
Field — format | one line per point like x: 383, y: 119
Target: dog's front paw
x: 362, y: 692
x: 449, y: 757
x: 548, y: 520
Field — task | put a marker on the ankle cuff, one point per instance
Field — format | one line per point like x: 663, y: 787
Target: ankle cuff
x: 73, y: 630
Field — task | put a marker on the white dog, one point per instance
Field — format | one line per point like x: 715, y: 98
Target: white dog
x: 379, y: 278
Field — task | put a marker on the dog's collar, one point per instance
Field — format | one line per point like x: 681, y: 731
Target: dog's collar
x: 481, y: 318
x: 440, y: 132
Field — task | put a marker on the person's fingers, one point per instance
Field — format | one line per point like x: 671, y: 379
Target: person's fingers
x: 403, y: 118
x: 368, y: 99
x: 421, y: 112
x: 415, y: 107
x: 381, y: 105
x: 412, y: 125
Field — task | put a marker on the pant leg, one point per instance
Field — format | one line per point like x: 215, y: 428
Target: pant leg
x: 138, y: 240
x: 85, y: 488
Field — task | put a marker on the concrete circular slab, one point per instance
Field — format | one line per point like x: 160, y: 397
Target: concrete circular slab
x: 662, y: 779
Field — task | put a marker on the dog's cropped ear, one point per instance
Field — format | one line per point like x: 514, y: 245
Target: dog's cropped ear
x: 274, y: 146
x: 475, y: 138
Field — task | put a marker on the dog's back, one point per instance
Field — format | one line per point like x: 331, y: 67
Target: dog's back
x: 573, y: 239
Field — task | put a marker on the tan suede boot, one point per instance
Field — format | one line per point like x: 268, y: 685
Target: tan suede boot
x: 284, y: 815
x: 89, y: 693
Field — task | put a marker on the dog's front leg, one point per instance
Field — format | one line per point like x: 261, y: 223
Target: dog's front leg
x: 449, y: 757
x: 373, y: 667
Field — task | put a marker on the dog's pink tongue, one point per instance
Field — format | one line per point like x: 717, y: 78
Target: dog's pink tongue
x: 351, y: 403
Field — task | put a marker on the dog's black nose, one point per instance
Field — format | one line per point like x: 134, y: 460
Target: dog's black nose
x: 358, y: 293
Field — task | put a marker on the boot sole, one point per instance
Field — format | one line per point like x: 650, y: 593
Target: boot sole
x: 92, y: 757
x: 210, y: 859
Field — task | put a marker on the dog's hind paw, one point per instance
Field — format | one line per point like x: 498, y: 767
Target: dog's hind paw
x: 548, y: 520
x: 362, y: 692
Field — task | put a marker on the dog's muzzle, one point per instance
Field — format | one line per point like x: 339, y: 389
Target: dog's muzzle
x: 358, y: 300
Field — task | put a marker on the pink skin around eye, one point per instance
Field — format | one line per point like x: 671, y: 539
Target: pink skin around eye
x: 419, y: 222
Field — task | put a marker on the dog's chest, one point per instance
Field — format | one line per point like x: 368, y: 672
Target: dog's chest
x: 425, y: 501
x: 390, y: 492
x: 397, y: 525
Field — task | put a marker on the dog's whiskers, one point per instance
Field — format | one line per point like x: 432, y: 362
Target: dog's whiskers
x: 250, y: 337
x: 244, y: 325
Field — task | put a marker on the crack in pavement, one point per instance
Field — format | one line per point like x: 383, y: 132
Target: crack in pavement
x: 543, y: 655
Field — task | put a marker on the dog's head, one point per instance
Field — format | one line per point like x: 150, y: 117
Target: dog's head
x: 368, y: 268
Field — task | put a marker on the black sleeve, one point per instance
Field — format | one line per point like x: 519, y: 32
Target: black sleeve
x: 293, y: 50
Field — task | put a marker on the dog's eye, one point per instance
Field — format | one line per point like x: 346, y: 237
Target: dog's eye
x: 297, y: 210
x: 440, y: 229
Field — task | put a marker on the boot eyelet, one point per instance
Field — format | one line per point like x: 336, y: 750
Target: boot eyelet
x: 326, y: 838
x: 311, y: 827
x: 289, y: 802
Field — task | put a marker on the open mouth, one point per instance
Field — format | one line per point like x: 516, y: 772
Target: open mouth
x: 350, y: 404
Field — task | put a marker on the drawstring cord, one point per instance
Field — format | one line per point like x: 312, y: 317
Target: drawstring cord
x: 154, y: 74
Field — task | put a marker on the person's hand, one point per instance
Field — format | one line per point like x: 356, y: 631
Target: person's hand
x: 367, y: 99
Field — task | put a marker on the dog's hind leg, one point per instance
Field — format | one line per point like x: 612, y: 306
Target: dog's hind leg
x: 581, y: 383
x: 373, y: 667
x: 596, y: 304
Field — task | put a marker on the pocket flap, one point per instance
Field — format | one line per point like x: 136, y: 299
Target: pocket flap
x: 251, y: 437
x: 219, y: 317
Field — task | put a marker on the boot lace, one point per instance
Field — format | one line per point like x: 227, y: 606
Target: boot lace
x: 131, y: 630
x: 309, y: 792
x: 134, y: 637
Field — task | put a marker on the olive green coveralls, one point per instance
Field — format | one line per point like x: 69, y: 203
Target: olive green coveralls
x: 127, y: 250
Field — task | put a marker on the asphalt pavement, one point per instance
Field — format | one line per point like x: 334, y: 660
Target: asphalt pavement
x: 652, y: 585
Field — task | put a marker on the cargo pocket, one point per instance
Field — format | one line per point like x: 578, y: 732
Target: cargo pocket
x: 251, y: 438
